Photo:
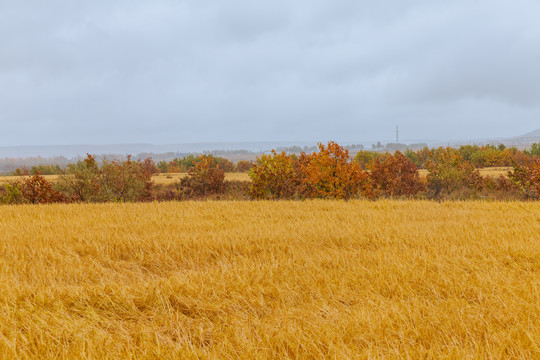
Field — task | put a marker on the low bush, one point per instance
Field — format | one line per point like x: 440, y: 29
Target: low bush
x: 364, y: 158
x: 11, y: 194
x: 396, y: 175
x: 275, y: 176
x: 526, y: 178
x: 126, y: 181
x: 203, y: 179
x: 449, y: 172
x: 244, y: 165
x: 37, y: 190
x: 114, y: 181
x: 82, y: 180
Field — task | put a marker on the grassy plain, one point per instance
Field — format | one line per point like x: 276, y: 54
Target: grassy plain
x: 310, y: 279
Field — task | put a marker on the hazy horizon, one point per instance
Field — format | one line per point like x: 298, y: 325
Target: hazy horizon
x: 344, y: 141
x: 186, y: 71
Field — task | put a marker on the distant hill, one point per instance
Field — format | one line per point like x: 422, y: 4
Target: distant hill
x: 535, y: 133
x: 521, y: 141
x: 524, y: 140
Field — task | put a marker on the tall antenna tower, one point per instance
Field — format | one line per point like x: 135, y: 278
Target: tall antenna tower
x: 397, y: 135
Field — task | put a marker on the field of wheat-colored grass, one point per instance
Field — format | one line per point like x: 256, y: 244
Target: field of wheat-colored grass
x: 493, y: 172
x: 10, y: 179
x: 233, y: 280
x: 165, y: 179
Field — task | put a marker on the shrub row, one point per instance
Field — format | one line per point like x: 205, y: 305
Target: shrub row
x: 115, y: 181
x: 328, y: 173
x: 478, y: 156
x: 183, y: 165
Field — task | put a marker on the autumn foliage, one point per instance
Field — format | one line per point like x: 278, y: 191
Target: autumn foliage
x: 184, y: 164
x: 478, y: 156
x: 203, y: 179
x: 37, y: 190
x: 126, y: 180
x: 396, y: 175
x: 114, y: 181
x: 328, y: 173
x: 449, y: 172
x: 275, y: 176
x: 526, y: 178
x: 244, y: 165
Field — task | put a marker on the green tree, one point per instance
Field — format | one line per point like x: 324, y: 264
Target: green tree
x: 534, y: 150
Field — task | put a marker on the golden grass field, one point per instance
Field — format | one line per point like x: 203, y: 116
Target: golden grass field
x: 267, y: 280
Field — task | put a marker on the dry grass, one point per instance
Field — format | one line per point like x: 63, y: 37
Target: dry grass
x: 8, y: 179
x: 163, y: 179
x: 494, y: 172
x: 166, y: 179
x: 230, y: 280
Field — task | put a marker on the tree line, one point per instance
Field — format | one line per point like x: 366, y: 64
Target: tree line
x: 328, y: 173
x: 478, y: 156
x: 451, y: 173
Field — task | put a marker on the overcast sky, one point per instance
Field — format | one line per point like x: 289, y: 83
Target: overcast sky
x: 176, y: 71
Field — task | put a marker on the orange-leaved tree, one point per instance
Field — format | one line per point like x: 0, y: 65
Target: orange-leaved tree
x: 37, y: 190
x: 396, y: 175
x: 329, y: 173
x: 204, y: 178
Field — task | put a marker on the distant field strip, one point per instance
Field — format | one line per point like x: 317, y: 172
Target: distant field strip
x: 175, y: 177
x: 490, y: 171
x: 158, y: 178
x: 238, y: 280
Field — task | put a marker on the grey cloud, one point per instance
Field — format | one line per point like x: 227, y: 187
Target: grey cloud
x: 181, y: 71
